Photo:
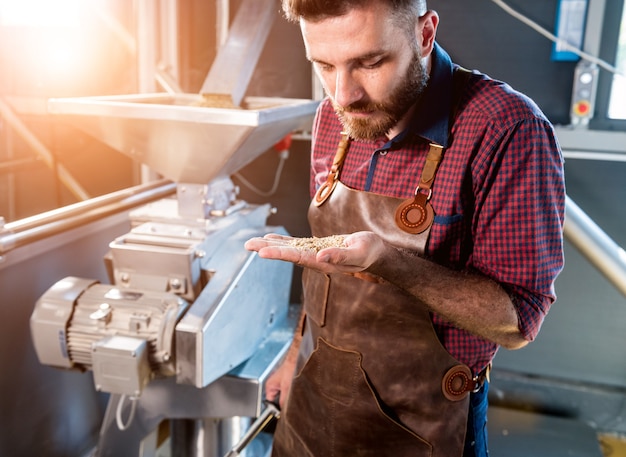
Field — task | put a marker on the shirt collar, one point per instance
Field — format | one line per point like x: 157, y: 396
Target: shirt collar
x: 432, y: 116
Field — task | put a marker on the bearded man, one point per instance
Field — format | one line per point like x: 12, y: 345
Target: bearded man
x: 448, y: 190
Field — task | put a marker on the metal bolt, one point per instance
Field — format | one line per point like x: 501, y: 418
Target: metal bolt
x: 102, y: 314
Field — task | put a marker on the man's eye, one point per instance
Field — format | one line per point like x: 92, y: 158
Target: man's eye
x: 370, y: 64
x: 323, y: 67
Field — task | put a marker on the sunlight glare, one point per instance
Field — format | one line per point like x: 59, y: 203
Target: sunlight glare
x: 57, y: 13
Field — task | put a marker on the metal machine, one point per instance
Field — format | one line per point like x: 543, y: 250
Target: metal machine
x: 192, y: 323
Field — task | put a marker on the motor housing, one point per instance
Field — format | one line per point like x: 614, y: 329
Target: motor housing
x: 125, y: 336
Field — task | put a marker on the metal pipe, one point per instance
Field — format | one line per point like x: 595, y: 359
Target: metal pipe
x: 82, y: 207
x: 270, y: 413
x: 35, y: 228
x: 607, y: 256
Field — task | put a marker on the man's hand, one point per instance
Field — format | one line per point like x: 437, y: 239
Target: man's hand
x: 279, y: 382
x: 358, y: 252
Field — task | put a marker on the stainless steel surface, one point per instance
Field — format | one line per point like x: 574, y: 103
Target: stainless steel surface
x: 206, y: 437
x: 182, y: 140
x: 238, y: 56
x: 606, y: 255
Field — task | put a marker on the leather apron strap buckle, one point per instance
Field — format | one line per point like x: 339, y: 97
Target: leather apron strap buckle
x: 458, y: 382
x: 415, y: 215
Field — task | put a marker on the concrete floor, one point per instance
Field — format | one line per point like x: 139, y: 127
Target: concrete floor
x: 514, y: 433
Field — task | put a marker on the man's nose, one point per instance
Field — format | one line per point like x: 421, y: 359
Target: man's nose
x: 347, y: 89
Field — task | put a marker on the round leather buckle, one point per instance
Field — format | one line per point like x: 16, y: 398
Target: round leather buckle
x: 415, y: 215
x: 457, y: 383
x: 324, y: 192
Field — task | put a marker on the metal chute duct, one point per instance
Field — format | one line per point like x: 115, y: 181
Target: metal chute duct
x: 239, y: 307
x: 180, y: 139
x: 236, y: 59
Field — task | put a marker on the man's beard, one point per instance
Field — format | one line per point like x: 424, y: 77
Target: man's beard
x: 393, y: 110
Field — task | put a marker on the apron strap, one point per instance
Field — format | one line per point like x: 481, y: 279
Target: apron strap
x: 327, y: 188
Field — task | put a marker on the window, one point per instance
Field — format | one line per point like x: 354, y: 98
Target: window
x: 617, y: 107
x: 610, y: 111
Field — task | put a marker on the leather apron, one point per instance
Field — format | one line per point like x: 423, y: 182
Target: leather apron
x: 373, y: 378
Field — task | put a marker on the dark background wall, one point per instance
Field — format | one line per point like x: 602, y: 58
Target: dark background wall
x: 481, y: 35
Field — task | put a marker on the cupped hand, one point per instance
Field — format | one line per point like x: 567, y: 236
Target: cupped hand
x: 359, y: 252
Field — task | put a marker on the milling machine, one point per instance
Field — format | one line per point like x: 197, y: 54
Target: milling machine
x: 191, y: 324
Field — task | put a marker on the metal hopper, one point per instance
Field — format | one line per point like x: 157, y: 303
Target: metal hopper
x: 180, y: 138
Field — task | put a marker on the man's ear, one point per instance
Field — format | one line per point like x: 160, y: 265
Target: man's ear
x: 426, y: 31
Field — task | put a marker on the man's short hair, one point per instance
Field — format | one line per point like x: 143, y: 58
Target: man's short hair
x: 317, y: 10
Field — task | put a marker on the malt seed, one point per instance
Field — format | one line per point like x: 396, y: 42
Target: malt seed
x: 317, y: 244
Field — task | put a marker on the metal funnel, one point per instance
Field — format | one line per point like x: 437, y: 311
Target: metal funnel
x: 178, y: 137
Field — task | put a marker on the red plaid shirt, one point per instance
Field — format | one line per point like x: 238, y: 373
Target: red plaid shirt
x: 499, y: 193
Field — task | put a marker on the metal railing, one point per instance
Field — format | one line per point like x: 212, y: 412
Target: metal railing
x: 606, y: 255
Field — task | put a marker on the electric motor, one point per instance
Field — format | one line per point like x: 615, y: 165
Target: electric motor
x: 125, y: 336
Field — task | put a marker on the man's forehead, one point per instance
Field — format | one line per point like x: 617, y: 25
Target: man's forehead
x: 354, y: 35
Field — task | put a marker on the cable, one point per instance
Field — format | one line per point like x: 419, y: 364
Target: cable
x: 557, y: 40
x: 279, y: 169
x: 118, y: 412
